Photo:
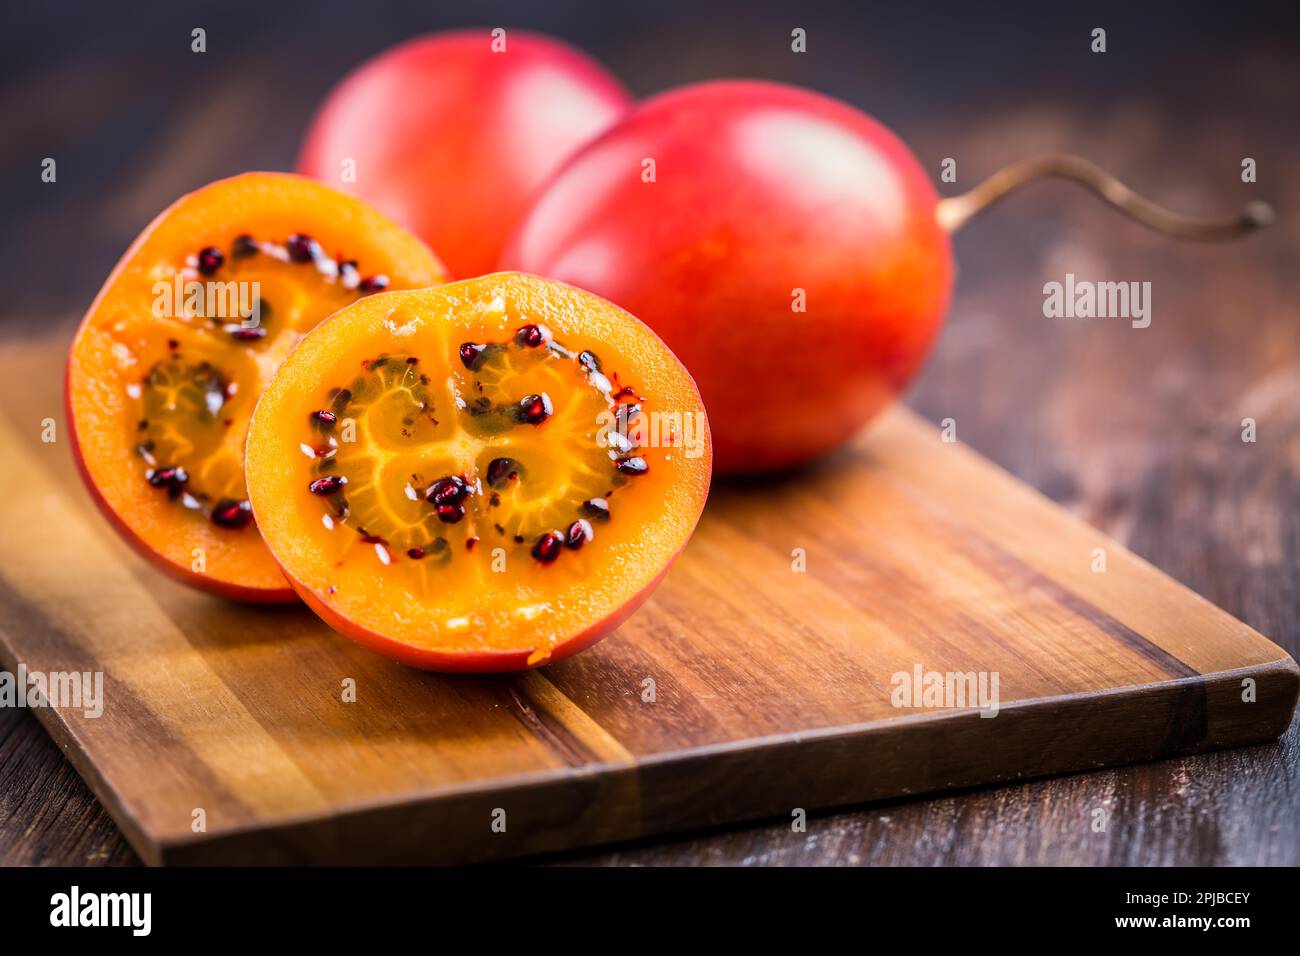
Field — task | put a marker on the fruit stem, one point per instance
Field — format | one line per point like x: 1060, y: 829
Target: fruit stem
x: 955, y: 211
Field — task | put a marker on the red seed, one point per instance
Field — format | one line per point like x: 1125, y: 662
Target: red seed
x: 232, y: 513
x: 597, y: 508
x: 579, y: 534
x: 376, y: 283
x: 303, y: 248
x: 532, y: 335
x: 450, y: 513
x: 415, y: 554
x: 470, y: 542
x: 210, y: 260
x: 171, y: 477
x: 327, y: 485
x: 249, y: 334
x: 632, y: 466
x: 548, y: 546
x: 471, y: 355
x: 324, y: 418
x: 501, y: 470
x: 165, y: 476
x: 447, y: 491
x: 243, y: 247
x: 534, y: 409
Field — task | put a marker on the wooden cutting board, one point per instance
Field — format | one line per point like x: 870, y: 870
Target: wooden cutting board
x: 772, y: 648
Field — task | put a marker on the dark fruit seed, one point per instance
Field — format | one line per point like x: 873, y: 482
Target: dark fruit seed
x: 230, y: 513
x: 632, y: 466
x: 548, y: 546
x: 373, y: 284
x: 535, y: 409
x: 596, y: 508
x: 470, y: 355
x: 302, y: 248
x: 252, y: 334
x: 168, y: 475
x: 415, y: 554
x: 327, y: 485
x: 210, y: 260
x: 447, y: 491
x: 450, y: 513
x: 173, y: 477
x: 243, y: 247
x: 579, y: 534
x: 324, y: 418
x: 470, y: 542
x: 531, y: 335
x: 589, y: 361
x: 501, y: 470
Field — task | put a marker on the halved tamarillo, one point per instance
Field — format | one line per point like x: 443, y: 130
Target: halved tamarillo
x: 483, y: 476
x: 169, y: 361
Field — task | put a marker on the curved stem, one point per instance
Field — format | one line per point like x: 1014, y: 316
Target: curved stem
x: 954, y: 212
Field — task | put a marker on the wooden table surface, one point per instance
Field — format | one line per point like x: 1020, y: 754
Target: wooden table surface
x: 1137, y: 431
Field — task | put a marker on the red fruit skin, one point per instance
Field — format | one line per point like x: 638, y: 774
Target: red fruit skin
x: 474, y: 662
x: 451, y: 139
x: 760, y: 190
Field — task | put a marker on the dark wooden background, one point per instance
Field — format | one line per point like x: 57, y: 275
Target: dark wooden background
x: 1137, y: 431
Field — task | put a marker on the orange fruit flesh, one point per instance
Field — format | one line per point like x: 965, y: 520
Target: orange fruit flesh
x: 523, y: 440
x: 167, y: 367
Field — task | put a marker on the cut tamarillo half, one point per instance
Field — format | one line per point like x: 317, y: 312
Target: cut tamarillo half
x: 442, y: 474
x: 169, y: 361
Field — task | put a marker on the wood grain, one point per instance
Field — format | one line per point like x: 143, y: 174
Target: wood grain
x: 771, y: 647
